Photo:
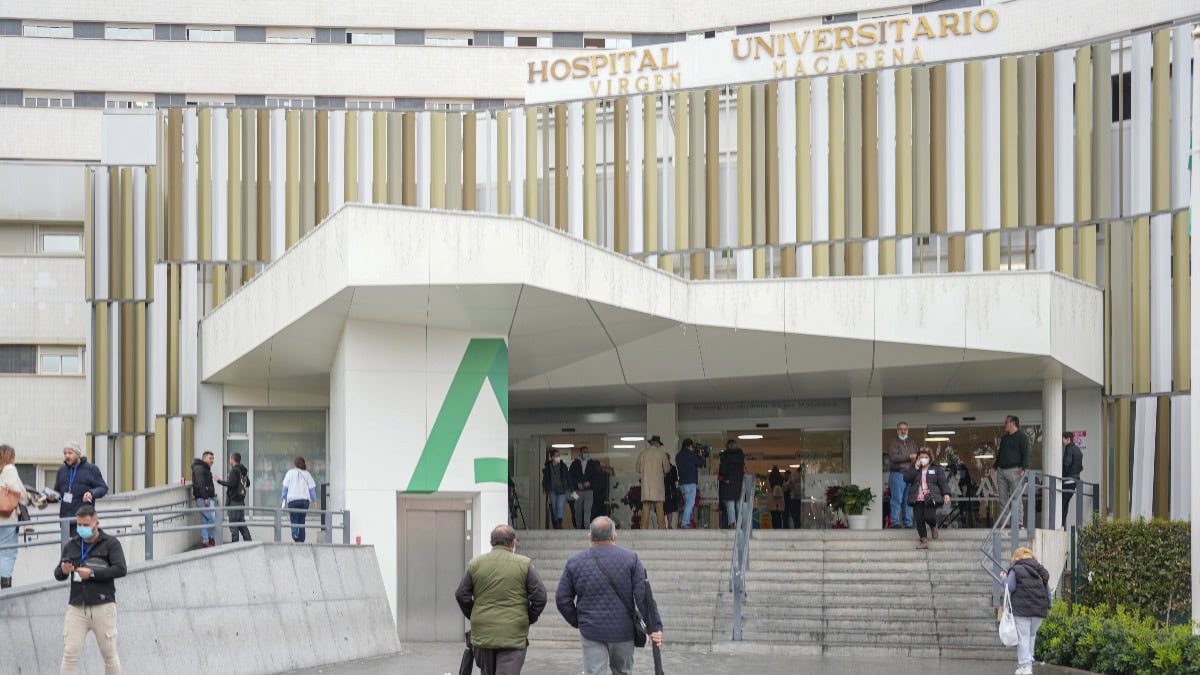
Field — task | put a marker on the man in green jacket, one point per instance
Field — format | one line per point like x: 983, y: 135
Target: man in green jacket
x: 501, y: 594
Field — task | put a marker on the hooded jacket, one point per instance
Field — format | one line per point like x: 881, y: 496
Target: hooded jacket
x: 235, y: 487
x: 78, y: 480
x: 202, y: 480
x: 935, y: 481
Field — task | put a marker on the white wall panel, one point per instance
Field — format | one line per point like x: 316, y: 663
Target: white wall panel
x: 991, y: 150
x: 190, y: 168
x: 337, y: 160
x: 1144, y: 425
x: 516, y: 157
x: 575, y: 169
x: 887, y: 153
x: 278, y: 182
x: 820, y: 160
x: 1181, y: 457
x: 637, y: 141
x: 220, y: 184
x: 424, y: 170
x: 366, y: 154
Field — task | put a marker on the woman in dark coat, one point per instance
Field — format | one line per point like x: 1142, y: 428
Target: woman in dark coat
x: 927, y: 491
x: 729, y: 474
x: 1029, y: 592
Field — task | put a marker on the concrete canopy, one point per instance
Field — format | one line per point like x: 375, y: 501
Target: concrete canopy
x: 589, y: 326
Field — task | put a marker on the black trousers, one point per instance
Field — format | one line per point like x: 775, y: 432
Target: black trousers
x: 924, y: 514
x: 1068, y: 492
x: 238, y: 516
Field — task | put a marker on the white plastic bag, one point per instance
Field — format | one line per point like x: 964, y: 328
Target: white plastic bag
x: 1008, y: 624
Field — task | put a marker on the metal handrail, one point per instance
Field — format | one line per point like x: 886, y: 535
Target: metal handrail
x: 1010, y: 518
x: 740, y: 562
x: 146, y: 523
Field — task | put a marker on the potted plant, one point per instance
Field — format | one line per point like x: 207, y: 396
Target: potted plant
x: 851, y: 500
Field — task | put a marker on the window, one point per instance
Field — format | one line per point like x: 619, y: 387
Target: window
x: 60, y: 243
x: 489, y: 38
x: 270, y: 440
x: 169, y: 100
x: 210, y: 34
x: 57, y: 101
x: 593, y: 43
x: 10, y: 97
x: 28, y: 474
x: 291, y: 103
x: 10, y: 26
x: 129, y: 101
x: 449, y: 105
x: 410, y: 37
x: 410, y: 103
x: 169, y: 31
x: 371, y: 104
x: 290, y: 39
x: 128, y: 33
x: 331, y: 36
x: 18, y: 359
x: 568, y: 40
x: 211, y: 101
x: 60, y: 361
x: 363, y: 38
x: 435, y: 41
x: 48, y: 30
x: 250, y: 33
x: 89, y: 99
x: 528, y: 41
x: 87, y: 30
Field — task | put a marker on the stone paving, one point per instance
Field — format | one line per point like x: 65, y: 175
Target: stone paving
x: 442, y: 659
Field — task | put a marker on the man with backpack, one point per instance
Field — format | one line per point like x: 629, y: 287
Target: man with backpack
x: 236, y: 487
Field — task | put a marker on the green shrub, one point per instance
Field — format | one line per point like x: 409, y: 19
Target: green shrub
x: 1117, y: 642
x: 1137, y: 564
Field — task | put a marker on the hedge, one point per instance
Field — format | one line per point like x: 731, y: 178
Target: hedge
x: 1137, y: 564
x: 1116, y: 642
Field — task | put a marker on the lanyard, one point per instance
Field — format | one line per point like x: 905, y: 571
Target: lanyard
x: 71, y: 479
x: 84, y: 549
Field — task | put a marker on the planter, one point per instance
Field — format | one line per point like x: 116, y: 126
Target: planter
x: 857, y: 522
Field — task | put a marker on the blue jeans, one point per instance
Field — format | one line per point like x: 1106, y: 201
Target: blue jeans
x: 8, y: 556
x: 558, y: 503
x: 899, y: 492
x: 731, y: 512
x: 298, y: 519
x: 207, y: 518
x: 689, y: 501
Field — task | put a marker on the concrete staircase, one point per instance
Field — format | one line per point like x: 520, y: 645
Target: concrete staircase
x: 813, y: 592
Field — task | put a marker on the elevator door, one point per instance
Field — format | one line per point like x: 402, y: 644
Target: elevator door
x: 433, y: 549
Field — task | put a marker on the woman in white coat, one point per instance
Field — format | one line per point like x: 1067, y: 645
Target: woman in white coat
x: 10, y: 480
x: 299, y: 492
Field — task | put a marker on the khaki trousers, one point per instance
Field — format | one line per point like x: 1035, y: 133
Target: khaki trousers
x: 99, y: 619
x: 657, y: 507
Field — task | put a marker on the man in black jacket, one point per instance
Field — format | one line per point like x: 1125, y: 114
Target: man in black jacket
x: 235, y: 495
x: 206, y: 496
x: 1072, y: 468
x: 77, y: 482
x: 91, y: 560
x: 585, y: 473
x: 729, y: 476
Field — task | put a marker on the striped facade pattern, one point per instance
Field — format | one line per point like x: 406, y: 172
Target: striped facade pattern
x: 988, y: 165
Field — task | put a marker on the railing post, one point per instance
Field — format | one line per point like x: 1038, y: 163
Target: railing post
x: 346, y: 527
x: 64, y: 527
x: 278, y: 525
x: 327, y: 526
x: 1078, y: 503
x: 996, y: 568
x: 1014, y: 520
x: 148, y: 535
x: 1052, y: 490
x: 1031, y: 495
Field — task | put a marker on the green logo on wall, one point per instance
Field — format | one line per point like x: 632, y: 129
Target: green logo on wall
x: 486, y: 359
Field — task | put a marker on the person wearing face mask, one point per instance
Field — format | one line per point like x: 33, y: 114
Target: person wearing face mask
x: 77, y: 482
x: 927, y: 491
x: 901, y: 452
x: 556, y: 483
x: 92, y: 560
x: 584, y: 472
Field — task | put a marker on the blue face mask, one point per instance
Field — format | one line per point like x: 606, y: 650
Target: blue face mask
x: 586, y: 456
x: 85, y: 532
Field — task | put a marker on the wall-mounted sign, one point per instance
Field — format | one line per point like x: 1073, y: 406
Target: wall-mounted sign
x: 1014, y: 27
x: 876, y: 43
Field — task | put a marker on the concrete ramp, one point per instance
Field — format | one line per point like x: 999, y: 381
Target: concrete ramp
x: 245, y: 608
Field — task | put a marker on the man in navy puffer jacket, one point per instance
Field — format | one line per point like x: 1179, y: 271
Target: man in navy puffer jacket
x: 596, y: 594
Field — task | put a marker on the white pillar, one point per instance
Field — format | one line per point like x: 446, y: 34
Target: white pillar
x: 1195, y: 288
x: 661, y: 421
x: 1052, y: 428
x: 866, y: 467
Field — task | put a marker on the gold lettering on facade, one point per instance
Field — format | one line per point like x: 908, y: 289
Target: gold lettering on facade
x: 924, y: 30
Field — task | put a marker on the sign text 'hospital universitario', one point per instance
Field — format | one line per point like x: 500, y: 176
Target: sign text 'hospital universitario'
x: 886, y: 42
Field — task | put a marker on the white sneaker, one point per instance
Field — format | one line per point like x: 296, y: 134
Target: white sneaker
x: 1024, y: 671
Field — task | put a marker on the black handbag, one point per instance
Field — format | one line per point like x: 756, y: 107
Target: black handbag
x: 639, y: 624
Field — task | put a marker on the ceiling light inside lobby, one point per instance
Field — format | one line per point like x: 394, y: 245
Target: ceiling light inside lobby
x: 563, y: 446
x: 623, y: 446
x: 628, y: 439
x: 749, y: 437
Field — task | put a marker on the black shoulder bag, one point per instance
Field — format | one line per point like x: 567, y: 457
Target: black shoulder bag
x: 639, y: 624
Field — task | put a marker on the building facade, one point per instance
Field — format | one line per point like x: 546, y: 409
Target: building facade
x: 864, y: 235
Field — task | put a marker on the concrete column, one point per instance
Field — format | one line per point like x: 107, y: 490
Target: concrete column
x: 661, y: 421
x: 866, y: 464
x: 1195, y: 333
x: 417, y: 410
x: 1083, y: 414
x: 1052, y: 428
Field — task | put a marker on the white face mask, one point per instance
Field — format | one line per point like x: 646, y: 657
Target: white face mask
x: 924, y: 461
x: 903, y: 437
x: 557, y: 460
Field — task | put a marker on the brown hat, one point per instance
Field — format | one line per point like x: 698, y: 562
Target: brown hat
x: 655, y: 440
